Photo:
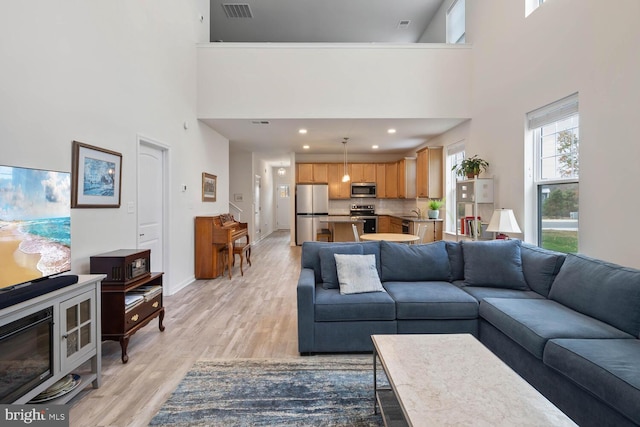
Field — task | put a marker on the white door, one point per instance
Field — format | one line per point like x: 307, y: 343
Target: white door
x: 282, y: 207
x: 256, y: 209
x: 151, y: 203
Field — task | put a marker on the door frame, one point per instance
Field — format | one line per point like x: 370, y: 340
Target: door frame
x: 165, y: 149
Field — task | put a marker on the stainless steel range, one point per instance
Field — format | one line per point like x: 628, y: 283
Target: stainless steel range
x: 368, y: 214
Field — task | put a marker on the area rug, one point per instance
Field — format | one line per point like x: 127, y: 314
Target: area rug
x: 309, y: 391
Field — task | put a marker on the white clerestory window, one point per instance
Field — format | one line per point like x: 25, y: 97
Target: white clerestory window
x: 456, y: 27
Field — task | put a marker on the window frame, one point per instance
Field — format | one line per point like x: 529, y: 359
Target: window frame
x: 461, y: 20
x: 555, y: 112
x: 453, y: 150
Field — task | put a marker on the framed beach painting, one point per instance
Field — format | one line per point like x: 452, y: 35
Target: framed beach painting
x: 208, y: 187
x: 96, y: 177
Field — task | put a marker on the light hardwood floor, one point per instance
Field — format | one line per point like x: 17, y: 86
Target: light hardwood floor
x: 246, y: 317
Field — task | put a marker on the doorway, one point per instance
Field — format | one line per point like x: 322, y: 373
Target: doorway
x: 153, y: 203
x: 257, y: 208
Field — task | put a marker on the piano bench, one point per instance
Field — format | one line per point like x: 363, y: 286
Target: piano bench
x: 244, y: 250
x: 324, y: 233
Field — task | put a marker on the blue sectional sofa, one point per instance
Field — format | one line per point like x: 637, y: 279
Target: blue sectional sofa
x: 568, y: 324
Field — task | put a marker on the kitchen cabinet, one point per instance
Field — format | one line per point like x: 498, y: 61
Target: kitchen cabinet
x: 337, y: 188
x: 407, y: 178
x: 384, y: 224
x: 362, y: 172
x: 433, y: 232
x: 381, y: 184
x: 311, y: 173
x: 395, y: 225
x: 429, y: 173
x: 391, y: 180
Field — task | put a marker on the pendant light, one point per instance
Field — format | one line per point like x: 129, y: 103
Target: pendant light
x: 345, y: 177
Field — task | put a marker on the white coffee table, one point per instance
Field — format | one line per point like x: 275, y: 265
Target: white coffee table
x: 439, y: 380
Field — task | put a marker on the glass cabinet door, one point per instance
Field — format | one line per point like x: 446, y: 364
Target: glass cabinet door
x: 78, y: 336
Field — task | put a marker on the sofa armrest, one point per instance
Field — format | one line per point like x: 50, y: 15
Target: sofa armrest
x: 306, y: 300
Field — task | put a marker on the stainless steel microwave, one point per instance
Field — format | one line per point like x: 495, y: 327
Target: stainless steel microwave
x: 363, y: 189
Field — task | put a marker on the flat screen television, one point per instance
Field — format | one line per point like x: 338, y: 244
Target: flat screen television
x: 35, y: 225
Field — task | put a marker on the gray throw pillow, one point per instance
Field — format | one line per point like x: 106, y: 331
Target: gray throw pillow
x: 493, y: 263
x: 328, y: 262
x: 357, y: 274
x: 414, y: 263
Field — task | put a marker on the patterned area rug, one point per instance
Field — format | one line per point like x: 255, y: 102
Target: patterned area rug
x: 309, y: 391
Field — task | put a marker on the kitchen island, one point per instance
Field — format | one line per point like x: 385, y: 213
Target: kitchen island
x: 340, y: 227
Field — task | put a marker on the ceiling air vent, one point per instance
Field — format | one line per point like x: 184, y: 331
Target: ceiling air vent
x: 404, y: 24
x: 237, y: 10
x: 259, y: 122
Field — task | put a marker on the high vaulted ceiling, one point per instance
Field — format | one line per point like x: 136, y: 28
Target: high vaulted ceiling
x: 324, y: 21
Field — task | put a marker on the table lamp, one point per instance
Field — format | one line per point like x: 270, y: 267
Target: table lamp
x: 503, y: 221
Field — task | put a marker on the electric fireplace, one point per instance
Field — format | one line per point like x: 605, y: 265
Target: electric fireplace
x: 26, y: 354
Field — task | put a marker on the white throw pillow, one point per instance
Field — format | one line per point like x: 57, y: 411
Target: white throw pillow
x: 357, y: 274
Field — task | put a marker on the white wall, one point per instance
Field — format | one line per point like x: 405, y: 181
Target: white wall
x: 245, y: 80
x: 102, y: 73
x: 436, y: 31
x: 585, y: 46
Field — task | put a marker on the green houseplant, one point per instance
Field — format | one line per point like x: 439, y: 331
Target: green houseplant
x: 434, y: 208
x: 471, y: 167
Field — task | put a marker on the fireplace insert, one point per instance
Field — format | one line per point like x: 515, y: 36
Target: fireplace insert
x: 26, y: 354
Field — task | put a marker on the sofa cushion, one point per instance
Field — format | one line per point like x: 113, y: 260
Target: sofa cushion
x: 357, y: 274
x: 410, y: 263
x: 328, y: 262
x: 600, y: 289
x: 431, y: 300
x: 610, y: 369
x: 331, y: 306
x: 454, y: 250
x: 494, y: 263
x: 532, y: 322
x: 540, y: 267
x: 482, y: 292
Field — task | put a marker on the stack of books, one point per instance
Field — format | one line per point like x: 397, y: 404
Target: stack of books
x: 146, y: 292
x: 131, y: 300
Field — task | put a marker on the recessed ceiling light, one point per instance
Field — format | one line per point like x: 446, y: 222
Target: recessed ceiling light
x: 302, y: 131
x: 375, y: 147
x: 306, y: 147
x: 391, y: 130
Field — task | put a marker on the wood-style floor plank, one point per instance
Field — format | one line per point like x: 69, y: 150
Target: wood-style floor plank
x: 250, y: 316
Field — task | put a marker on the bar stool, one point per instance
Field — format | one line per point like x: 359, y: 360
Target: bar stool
x: 324, y: 233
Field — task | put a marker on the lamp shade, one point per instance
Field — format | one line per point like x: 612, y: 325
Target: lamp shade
x: 503, y: 221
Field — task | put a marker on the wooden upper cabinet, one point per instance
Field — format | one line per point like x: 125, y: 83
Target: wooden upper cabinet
x: 337, y: 188
x: 381, y: 183
x: 311, y: 173
x: 391, y: 180
x: 429, y: 173
x: 362, y: 172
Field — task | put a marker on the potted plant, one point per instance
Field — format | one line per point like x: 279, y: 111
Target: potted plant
x: 434, y: 208
x: 471, y: 167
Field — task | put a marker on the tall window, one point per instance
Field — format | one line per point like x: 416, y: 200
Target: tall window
x: 456, y: 22
x: 455, y: 155
x: 555, y: 130
x: 531, y: 5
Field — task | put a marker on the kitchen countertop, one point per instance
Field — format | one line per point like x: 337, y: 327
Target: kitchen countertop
x: 412, y: 218
x: 340, y: 218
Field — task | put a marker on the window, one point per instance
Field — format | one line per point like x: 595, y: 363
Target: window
x: 455, y: 154
x: 531, y: 5
x: 556, y: 141
x: 456, y: 22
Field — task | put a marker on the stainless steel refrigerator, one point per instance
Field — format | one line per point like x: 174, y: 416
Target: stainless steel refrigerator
x: 312, y: 203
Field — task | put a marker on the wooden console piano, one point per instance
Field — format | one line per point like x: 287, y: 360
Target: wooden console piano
x: 215, y: 237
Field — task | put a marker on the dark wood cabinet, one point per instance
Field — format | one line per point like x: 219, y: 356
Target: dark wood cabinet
x: 122, y: 317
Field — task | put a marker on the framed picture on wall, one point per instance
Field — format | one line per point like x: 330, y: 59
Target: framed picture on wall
x: 96, y: 177
x: 208, y: 187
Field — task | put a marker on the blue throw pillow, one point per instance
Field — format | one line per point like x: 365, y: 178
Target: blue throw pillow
x: 540, y: 267
x: 606, y: 291
x: 493, y: 263
x: 413, y: 263
x: 328, y: 262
